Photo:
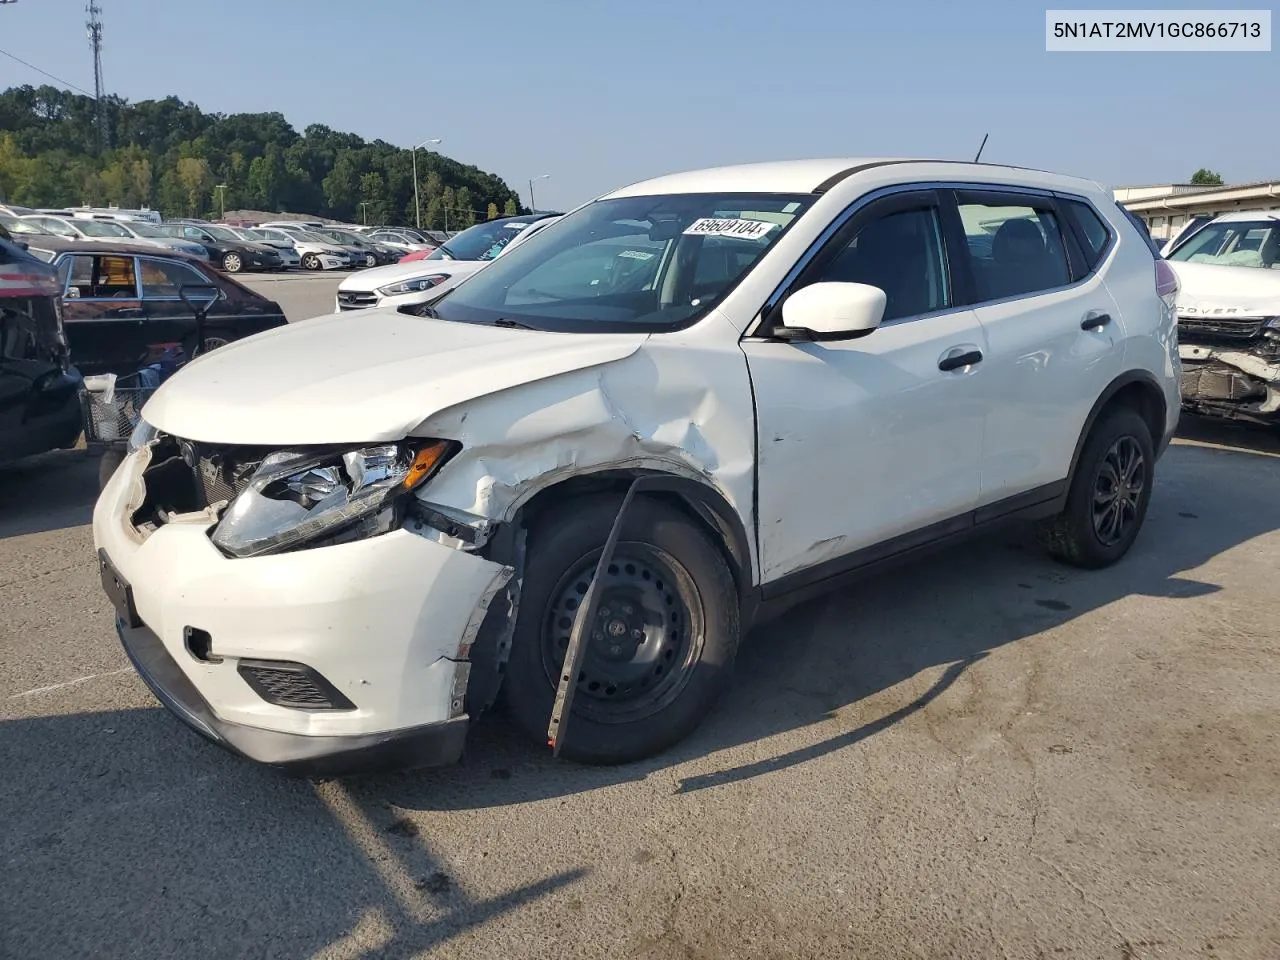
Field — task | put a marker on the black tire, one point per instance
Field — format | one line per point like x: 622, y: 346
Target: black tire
x: 1104, y: 512
x: 310, y: 262
x: 212, y: 338
x: 232, y: 262
x: 635, y: 704
x: 107, y: 465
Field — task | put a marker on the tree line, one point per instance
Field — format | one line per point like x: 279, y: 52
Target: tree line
x: 171, y: 156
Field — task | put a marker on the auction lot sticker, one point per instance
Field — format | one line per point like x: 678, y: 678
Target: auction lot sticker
x: 738, y: 229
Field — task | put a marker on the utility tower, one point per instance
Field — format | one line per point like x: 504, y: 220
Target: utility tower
x: 94, y: 26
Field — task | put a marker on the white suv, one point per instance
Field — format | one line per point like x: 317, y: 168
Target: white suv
x: 594, y: 463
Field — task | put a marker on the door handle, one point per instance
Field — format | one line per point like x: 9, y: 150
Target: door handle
x: 957, y: 360
x: 1095, y: 320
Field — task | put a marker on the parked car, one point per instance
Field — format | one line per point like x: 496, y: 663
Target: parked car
x: 802, y: 364
x: 315, y: 252
x: 122, y: 305
x: 19, y: 228
x: 1229, y: 317
x: 110, y: 231
x: 412, y: 282
x: 145, y: 231
x: 400, y: 239
x: 372, y: 254
x: 39, y: 389
x: 225, y: 249
x: 289, y: 256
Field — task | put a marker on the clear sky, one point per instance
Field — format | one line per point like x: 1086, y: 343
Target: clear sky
x: 598, y: 93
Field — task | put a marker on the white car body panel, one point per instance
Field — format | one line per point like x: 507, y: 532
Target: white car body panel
x: 370, y: 367
x: 843, y: 444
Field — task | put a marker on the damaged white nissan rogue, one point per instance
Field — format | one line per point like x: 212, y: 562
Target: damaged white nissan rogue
x: 582, y: 473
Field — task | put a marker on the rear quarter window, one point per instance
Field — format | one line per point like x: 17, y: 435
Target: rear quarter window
x: 1093, y: 231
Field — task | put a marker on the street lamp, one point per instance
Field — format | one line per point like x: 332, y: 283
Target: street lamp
x: 417, y: 207
x: 533, y: 206
x: 364, y: 213
x: 222, y: 200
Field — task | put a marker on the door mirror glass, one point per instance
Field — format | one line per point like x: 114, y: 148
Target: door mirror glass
x: 834, y: 310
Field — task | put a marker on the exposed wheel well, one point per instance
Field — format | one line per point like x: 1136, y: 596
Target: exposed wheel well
x: 700, y: 503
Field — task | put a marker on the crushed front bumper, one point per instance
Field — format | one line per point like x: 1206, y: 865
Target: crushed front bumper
x: 385, y: 623
x: 1229, y: 382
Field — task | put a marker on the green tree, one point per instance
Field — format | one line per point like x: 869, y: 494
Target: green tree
x: 1205, y: 177
x: 196, y: 180
x: 511, y: 208
x: 492, y: 212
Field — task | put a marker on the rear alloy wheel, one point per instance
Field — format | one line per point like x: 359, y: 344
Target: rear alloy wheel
x: 370, y: 260
x: 661, y: 646
x: 311, y: 262
x: 211, y: 342
x: 1109, y: 493
x: 232, y: 263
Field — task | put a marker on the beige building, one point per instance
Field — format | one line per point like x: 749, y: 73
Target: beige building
x: 1166, y: 209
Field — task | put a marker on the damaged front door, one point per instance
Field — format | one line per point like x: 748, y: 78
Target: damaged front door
x: 863, y: 440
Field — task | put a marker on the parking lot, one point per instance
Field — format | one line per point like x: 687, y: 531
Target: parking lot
x: 982, y: 754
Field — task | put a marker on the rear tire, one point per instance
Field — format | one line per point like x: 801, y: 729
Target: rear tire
x: 667, y: 631
x: 1109, y: 493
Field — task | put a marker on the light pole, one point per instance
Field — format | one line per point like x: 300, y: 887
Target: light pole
x: 222, y: 201
x: 364, y: 213
x: 533, y: 206
x: 417, y: 207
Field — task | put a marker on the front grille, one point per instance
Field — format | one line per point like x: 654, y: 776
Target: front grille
x: 355, y: 299
x: 218, y: 474
x: 186, y: 477
x: 1218, y: 328
x: 1218, y: 381
x: 296, y: 685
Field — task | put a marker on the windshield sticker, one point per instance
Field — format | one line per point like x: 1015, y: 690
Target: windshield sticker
x: 515, y: 226
x: 636, y: 255
x: 739, y: 229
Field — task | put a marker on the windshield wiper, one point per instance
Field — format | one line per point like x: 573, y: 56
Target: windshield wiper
x: 512, y: 324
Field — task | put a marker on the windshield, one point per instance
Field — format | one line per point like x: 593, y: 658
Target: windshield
x: 308, y: 236
x: 635, y: 262
x: 219, y: 233
x: 484, y: 241
x: 1239, y: 243
x: 101, y: 228
x: 146, y: 229
x: 15, y: 225
x: 335, y: 236
x: 243, y: 234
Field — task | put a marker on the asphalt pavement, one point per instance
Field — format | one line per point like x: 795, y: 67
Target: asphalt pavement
x: 979, y: 755
x: 301, y: 294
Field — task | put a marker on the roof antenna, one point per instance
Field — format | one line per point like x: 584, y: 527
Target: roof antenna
x: 982, y: 147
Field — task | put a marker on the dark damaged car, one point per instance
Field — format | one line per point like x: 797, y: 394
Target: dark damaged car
x: 39, y: 406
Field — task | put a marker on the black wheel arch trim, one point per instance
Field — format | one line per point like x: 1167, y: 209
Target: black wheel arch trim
x: 1160, y: 440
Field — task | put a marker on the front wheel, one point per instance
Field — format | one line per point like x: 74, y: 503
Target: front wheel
x: 311, y: 262
x: 661, y: 647
x: 232, y: 263
x: 370, y: 260
x: 1109, y: 493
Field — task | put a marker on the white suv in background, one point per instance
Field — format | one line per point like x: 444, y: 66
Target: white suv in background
x: 587, y: 469
x: 419, y: 281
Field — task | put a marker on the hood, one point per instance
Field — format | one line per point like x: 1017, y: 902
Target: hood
x: 377, y: 277
x: 1243, y: 291
x: 360, y: 377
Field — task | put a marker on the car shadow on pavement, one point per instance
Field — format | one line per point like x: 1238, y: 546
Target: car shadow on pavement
x: 126, y: 835
x: 938, y: 617
x: 47, y: 492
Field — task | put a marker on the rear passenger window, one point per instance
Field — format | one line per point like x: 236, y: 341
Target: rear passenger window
x: 1015, y: 248
x: 1095, y: 232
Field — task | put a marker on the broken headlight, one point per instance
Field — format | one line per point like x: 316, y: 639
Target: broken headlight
x: 298, y: 498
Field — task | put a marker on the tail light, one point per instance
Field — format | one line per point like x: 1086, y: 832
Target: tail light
x: 1166, y: 283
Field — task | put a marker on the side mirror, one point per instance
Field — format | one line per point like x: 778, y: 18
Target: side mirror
x: 831, y: 311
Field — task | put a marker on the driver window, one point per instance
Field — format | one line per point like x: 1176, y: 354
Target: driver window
x: 162, y: 278
x: 901, y: 253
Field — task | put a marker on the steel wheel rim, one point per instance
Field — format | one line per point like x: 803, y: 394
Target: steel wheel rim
x: 626, y: 677
x: 371, y: 261
x: 210, y: 343
x: 1118, y: 488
